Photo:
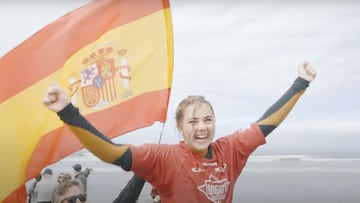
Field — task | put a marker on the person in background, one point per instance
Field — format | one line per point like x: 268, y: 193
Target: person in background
x: 32, y: 197
x: 60, y: 177
x: 81, y: 176
x: 64, y: 177
x: 45, y: 187
x: 197, y: 169
x: 155, y: 195
x: 86, y: 172
x: 69, y: 191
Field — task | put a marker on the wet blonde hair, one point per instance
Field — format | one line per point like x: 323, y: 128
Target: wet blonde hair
x: 188, y: 101
x: 63, y: 187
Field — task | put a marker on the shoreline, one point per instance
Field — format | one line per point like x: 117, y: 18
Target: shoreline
x: 282, y: 180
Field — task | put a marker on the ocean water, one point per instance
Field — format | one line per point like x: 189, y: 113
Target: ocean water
x: 268, y: 179
x: 299, y: 178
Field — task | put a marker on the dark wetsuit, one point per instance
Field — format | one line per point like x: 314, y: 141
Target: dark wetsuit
x: 132, y: 190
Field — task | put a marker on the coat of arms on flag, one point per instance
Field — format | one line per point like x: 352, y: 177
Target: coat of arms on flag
x: 105, y: 76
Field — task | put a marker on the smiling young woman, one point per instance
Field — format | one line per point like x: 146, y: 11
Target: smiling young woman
x: 197, y: 169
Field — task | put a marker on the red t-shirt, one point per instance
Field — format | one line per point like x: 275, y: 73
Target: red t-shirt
x: 182, y: 176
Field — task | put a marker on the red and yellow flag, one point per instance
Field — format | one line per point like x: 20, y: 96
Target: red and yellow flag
x: 114, y: 56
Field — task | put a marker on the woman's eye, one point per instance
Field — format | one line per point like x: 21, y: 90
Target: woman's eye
x: 193, y: 122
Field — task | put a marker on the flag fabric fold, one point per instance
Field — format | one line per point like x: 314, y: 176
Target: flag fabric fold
x: 115, y: 58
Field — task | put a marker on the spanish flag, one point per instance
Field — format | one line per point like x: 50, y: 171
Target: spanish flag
x: 115, y: 57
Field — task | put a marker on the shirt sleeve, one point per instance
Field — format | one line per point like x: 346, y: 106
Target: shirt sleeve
x: 237, y: 147
x: 150, y: 160
x: 246, y: 141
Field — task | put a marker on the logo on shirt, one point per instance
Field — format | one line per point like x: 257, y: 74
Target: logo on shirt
x: 215, y: 189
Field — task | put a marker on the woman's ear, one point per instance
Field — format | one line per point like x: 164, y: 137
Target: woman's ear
x: 179, y: 128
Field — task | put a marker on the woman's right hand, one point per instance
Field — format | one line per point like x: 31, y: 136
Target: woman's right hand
x: 55, y: 98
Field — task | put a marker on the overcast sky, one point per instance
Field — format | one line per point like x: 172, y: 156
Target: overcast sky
x: 242, y: 56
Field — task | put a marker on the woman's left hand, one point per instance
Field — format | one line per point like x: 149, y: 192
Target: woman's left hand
x: 307, y: 72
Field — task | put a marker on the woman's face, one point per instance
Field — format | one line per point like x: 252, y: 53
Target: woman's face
x: 72, y: 195
x: 198, y: 127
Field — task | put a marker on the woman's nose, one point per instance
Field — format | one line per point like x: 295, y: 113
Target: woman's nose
x: 201, y: 125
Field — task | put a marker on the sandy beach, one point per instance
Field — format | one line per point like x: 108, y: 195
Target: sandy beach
x: 268, y: 179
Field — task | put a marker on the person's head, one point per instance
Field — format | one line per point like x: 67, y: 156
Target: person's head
x: 70, y: 191
x: 64, y: 177
x: 47, y: 173
x: 195, y: 119
x: 60, y: 177
x: 77, y: 167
